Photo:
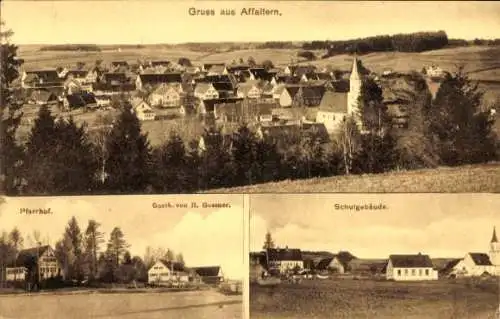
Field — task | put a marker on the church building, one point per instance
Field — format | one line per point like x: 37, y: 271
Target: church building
x: 476, y: 264
x: 336, y: 106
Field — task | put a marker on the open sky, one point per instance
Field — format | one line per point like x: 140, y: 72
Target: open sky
x: 158, y: 21
x: 442, y: 225
x: 204, y: 236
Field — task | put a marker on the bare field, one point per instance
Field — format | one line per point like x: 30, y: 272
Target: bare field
x: 375, y: 299
x: 463, y: 179
x: 199, y: 304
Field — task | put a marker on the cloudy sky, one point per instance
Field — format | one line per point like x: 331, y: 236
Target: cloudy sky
x: 204, y: 236
x: 158, y: 21
x: 437, y: 224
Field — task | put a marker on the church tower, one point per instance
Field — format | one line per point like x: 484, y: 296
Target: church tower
x: 354, y: 90
x: 495, y: 251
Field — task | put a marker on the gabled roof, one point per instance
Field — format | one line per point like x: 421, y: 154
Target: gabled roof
x: 334, y: 102
x: 30, y: 255
x: 292, y: 90
x: 176, y: 266
x: 45, y: 75
x: 260, y: 73
x: 280, y: 254
x: 153, y: 79
x: 163, y: 88
x: 450, y: 265
x: 480, y: 259
x: 42, y: 96
x: 202, y: 87
x: 313, y: 92
x: 411, y: 261
x: 208, y: 271
x: 223, y: 86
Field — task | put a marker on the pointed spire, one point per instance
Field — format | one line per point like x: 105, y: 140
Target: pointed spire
x: 494, y: 237
x: 355, y: 72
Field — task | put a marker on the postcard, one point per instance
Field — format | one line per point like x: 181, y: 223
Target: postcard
x: 168, y: 97
x: 122, y: 257
x: 374, y: 256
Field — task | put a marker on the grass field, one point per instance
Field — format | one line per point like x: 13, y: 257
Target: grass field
x: 375, y: 299
x: 473, y: 178
x: 199, y: 304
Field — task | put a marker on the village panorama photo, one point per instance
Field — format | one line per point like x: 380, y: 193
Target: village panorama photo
x: 424, y: 256
x: 103, y: 257
x: 328, y: 96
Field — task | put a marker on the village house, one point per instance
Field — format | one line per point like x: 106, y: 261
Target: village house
x: 42, y: 97
x: 153, y: 80
x: 309, y: 96
x: 210, y: 275
x: 287, y: 96
x: 284, y: 259
x: 39, y: 263
x: 142, y: 110
x: 166, y: 95
x: 164, y: 272
x: 331, y: 264
x: 253, y: 89
x: 217, y: 70
x: 80, y: 100
x: 410, y: 268
x: 205, y: 91
x: 41, y: 79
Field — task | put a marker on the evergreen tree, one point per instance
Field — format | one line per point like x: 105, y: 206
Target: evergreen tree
x: 459, y: 128
x: 373, y: 112
x: 92, y: 241
x: 171, y: 166
x: 40, y: 162
x: 216, y: 169
x: 72, y: 240
x: 11, y: 114
x: 117, y: 246
x: 268, y: 243
x: 376, y: 155
x: 244, y: 155
x: 270, y: 161
x: 129, y: 155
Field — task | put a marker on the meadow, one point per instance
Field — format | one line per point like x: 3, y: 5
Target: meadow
x: 470, y: 178
x: 375, y: 299
x: 187, y: 305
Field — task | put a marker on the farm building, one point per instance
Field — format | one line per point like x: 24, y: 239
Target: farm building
x: 410, y: 268
x: 163, y: 272
x: 166, y: 95
x: 331, y: 264
x: 205, y: 91
x: 154, y: 79
x: 287, y: 96
x: 211, y: 275
x: 284, y: 259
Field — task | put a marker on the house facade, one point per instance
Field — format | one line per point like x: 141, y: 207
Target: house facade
x: 41, y: 262
x: 166, y: 96
x: 163, y: 272
x: 143, y: 110
x: 210, y: 275
x: 410, y: 268
x: 205, y: 91
x: 284, y: 259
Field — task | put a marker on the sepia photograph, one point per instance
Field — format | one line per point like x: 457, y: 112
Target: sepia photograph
x: 162, y: 97
x: 122, y: 257
x: 374, y: 256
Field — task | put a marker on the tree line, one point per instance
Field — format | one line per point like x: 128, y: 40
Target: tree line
x: 71, y: 47
x: 411, y: 42
x: 81, y: 256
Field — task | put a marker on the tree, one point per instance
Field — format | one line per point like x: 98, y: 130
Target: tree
x: 72, y: 246
x: 129, y: 155
x: 180, y: 259
x: 373, y: 112
x: 171, y: 166
x: 117, y: 247
x: 268, y: 243
x: 244, y: 155
x: 99, y: 140
x: 308, y: 55
x: 185, y: 62
x: 216, y: 167
x: 460, y: 129
x: 251, y: 61
x: 267, y: 64
x: 348, y: 138
x: 12, y: 152
x: 92, y: 241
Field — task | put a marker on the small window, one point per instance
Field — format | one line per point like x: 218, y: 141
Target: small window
x: 413, y: 272
x: 406, y: 272
x: 420, y: 272
x: 427, y: 272
x: 399, y: 272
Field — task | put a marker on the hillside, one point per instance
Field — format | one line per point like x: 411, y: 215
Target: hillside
x: 470, y: 178
x: 481, y: 62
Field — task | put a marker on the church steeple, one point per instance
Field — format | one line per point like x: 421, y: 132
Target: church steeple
x: 355, y: 71
x: 494, y: 237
